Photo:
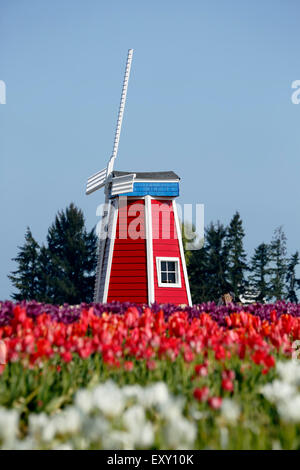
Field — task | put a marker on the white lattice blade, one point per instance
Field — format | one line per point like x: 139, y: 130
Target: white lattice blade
x: 121, y: 113
x: 96, y: 181
x: 123, y: 184
x: 97, y: 175
x: 95, y: 187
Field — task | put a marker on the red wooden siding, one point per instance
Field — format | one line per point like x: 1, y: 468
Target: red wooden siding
x: 165, y: 244
x: 128, y: 278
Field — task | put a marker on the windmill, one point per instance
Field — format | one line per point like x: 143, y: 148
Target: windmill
x: 147, y: 265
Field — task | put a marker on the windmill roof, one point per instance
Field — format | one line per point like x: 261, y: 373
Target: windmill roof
x: 152, y: 175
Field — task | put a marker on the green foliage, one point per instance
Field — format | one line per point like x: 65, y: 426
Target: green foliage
x: 221, y: 266
x: 217, y: 261
x: 208, y: 267
x: 293, y: 283
x: 198, y: 275
x: 25, y: 278
x: 260, y: 270
x: 72, y: 254
x: 237, y: 258
x: 190, y: 241
x: 278, y: 270
x: 52, y: 388
x: 43, y: 283
x: 63, y: 270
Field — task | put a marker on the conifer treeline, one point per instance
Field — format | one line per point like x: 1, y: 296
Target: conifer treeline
x: 63, y: 270
x: 222, y: 266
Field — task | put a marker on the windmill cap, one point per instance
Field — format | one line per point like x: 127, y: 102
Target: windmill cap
x: 150, y: 175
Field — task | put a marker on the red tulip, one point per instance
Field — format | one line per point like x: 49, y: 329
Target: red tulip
x: 201, y: 394
x: 201, y: 370
x: 128, y: 365
x: 67, y: 356
x: 228, y: 374
x: 227, y: 385
x: 189, y: 356
x: 273, y: 316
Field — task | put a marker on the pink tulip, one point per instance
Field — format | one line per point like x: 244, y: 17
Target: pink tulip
x: 215, y: 402
x: 3, y: 353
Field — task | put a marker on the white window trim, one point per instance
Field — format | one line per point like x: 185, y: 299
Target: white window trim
x: 164, y: 284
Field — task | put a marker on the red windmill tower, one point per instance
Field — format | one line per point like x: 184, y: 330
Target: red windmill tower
x: 140, y: 250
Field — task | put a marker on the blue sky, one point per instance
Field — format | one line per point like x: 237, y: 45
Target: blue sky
x: 209, y: 97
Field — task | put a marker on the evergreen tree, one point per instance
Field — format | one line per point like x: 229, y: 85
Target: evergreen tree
x: 72, y: 254
x: 260, y: 270
x: 197, y: 271
x: 190, y: 241
x: 216, y: 261
x: 278, y: 265
x: 63, y: 271
x: 237, y: 259
x: 186, y: 229
x: 26, y: 276
x: 43, y: 283
x: 292, y: 283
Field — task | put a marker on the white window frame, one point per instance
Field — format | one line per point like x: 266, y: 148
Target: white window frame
x: 159, y: 259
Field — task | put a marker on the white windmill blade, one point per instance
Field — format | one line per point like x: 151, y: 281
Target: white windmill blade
x: 111, y: 162
x: 96, y: 181
x: 123, y: 184
x: 104, y: 177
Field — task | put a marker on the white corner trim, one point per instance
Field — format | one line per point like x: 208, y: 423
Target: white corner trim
x: 179, y: 236
x: 158, y: 266
x: 111, y: 247
x: 149, y: 249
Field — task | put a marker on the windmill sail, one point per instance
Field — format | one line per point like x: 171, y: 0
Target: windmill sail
x: 120, y: 185
x: 102, y: 178
x: 121, y: 113
x: 96, y: 181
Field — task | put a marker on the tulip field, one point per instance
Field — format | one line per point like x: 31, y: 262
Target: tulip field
x: 125, y: 376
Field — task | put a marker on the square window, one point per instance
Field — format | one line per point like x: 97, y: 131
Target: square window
x: 168, y: 272
x: 171, y: 278
x: 171, y: 266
